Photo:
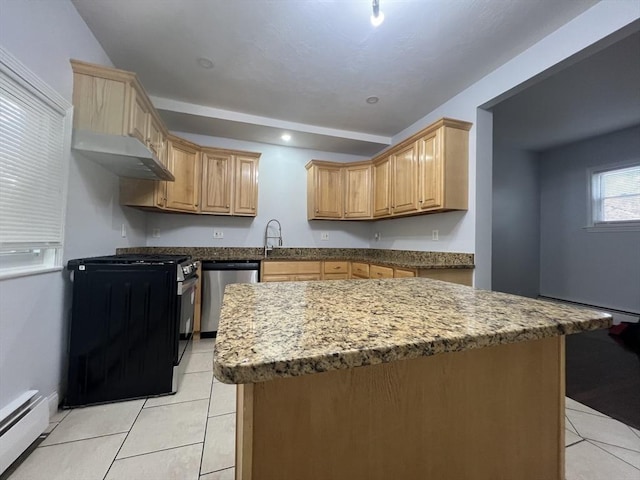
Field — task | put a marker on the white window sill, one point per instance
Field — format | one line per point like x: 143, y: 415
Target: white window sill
x: 25, y: 272
x: 614, y: 227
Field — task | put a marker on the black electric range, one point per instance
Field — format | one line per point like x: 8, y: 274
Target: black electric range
x: 131, y: 323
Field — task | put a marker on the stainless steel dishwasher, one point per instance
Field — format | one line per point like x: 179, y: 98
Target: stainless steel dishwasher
x: 215, y: 277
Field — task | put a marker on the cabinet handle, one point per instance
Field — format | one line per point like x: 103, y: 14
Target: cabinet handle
x: 317, y: 211
x: 420, y: 201
x: 226, y: 206
x: 253, y: 208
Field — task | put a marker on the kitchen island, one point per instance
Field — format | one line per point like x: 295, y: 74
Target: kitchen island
x: 396, y: 378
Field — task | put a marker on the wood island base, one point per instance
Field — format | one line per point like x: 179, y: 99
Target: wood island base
x: 484, y: 414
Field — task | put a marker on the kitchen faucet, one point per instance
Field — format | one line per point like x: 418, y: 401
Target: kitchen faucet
x: 268, y: 247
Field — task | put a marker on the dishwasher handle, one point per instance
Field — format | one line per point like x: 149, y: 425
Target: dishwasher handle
x: 215, y: 265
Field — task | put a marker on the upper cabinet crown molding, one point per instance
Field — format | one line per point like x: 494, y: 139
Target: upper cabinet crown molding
x: 425, y: 173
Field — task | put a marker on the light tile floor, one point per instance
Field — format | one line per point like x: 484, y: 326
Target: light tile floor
x: 190, y: 436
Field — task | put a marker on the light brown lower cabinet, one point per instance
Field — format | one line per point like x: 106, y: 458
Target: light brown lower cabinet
x: 290, y: 270
x: 485, y: 413
x: 359, y: 270
x: 403, y: 273
x: 378, y: 271
x: 461, y: 276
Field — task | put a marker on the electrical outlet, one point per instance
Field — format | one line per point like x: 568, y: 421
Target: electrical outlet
x: 324, y: 236
x: 377, y: 236
x: 123, y: 230
x: 218, y: 234
x: 434, y: 235
x: 155, y: 233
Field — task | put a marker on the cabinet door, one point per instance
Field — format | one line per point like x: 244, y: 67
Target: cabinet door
x: 217, y: 173
x: 184, y: 193
x: 156, y: 140
x: 378, y: 271
x: 359, y: 270
x: 382, y: 188
x: 405, y: 184
x: 139, y: 117
x: 402, y: 273
x: 430, y: 171
x: 327, y: 191
x: 245, y: 184
x: 357, y: 191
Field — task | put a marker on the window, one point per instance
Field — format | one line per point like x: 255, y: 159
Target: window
x: 615, y: 196
x: 34, y: 145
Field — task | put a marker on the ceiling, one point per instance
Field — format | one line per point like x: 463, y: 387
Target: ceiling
x: 597, y: 95
x: 307, y: 66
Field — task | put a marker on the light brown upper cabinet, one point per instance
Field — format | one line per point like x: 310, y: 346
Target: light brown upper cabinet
x: 444, y: 168
x: 404, y: 183
x: 111, y: 101
x: 324, y: 190
x: 245, y: 184
x: 229, y: 182
x: 338, y: 191
x: 357, y: 190
x: 426, y: 173
x: 217, y: 173
x: 184, y: 162
x: 382, y: 187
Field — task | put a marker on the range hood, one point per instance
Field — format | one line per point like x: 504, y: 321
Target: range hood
x: 125, y: 156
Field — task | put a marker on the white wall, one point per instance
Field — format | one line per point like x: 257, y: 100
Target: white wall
x: 282, y: 194
x: 472, y: 232
x: 44, y: 35
x: 515, y: 265
x: 597, y: 268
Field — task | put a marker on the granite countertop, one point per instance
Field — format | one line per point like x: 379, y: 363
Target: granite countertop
x: 394, y: 258
x: 287, y: 329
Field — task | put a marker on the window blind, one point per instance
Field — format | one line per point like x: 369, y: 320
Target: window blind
x: 617, y: 195
x: 33, y: 149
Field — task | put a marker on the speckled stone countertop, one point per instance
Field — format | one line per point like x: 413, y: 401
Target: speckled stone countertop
x: 396, y: 258
x: 287, y: 329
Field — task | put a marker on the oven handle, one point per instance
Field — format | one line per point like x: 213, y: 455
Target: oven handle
x: 187, y: 285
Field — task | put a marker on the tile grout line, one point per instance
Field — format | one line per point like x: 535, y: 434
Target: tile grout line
x: 574, y: 427
x: 80, y: 439
x: 222, y: 414
x: 177, y: 403
x: 601, y: 415
x: 125, y: 439
x: 161, y: 450
x: 206, y: 427
x: 613, y: 454
x: 611, y: 444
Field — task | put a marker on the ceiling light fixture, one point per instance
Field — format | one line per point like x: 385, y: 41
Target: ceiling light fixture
x: 205, y: 63
x: 286, y: 137
x: 372, y: 100
x: 377, y: 17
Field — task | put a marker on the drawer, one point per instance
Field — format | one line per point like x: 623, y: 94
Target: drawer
x: 290, y: 268
x: 277, y: 278
x: 336, y: 267
x: 403, y: 273
x: 360, y: 270
x: 377, y: 271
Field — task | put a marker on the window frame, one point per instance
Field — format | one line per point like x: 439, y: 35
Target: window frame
x: 23, y: 260
x: 592, y: 202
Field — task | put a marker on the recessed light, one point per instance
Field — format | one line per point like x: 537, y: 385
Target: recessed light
x: 372, y: 100
x: 286, y: 137
x: 205, y: 63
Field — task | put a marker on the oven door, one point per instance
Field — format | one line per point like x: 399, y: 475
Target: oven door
x: 186, y: 309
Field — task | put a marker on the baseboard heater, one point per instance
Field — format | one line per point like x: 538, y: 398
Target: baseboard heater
x: 21, y: 422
